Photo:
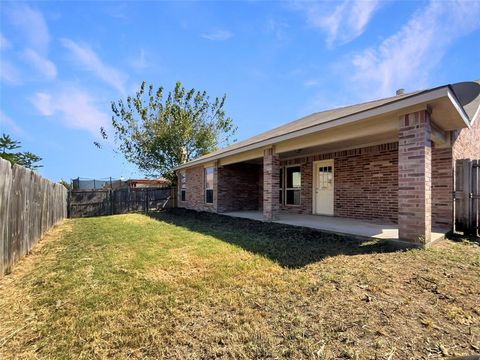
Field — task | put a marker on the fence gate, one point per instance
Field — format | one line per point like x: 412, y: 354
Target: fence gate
x: 467, y: 196
x: 85, y: 203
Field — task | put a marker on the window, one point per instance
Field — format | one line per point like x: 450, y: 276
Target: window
x: 325, y: 177
x: 183, y: 185
x: 209, y: 185
x: 293, y: 184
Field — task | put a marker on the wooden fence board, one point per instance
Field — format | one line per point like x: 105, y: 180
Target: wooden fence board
x: 467, y: 196
x: 85, y: 203
x: 29, y: 206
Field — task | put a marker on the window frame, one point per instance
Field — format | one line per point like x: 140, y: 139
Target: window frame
x: 281, y: 185
x: 205, y: 188
x: 286, y: 188
x: 183, y: 185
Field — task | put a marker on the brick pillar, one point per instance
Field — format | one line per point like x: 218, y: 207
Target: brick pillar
x: 215, y: 186
x: 271, y: 183
x: 415, y: 178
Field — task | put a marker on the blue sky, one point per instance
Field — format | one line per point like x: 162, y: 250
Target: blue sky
x: 62, y: 63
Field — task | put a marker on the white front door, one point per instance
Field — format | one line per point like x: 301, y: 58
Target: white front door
x: 323, y: 187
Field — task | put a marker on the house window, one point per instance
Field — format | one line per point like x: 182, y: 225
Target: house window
x: 293, y: 184
x: 183, y: 185
x: 209, y: 185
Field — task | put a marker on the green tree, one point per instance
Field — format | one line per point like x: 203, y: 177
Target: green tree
x: 67, y: 185
x: 8, y: 148
x: 157, y: 132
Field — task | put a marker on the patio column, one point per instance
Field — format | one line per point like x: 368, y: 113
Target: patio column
x: 415, y: 178
x: 271, y: 183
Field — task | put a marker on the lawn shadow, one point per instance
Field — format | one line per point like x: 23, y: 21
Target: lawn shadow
x: 290, y: 246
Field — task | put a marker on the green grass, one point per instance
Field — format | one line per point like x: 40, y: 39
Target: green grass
x: 186, y: 285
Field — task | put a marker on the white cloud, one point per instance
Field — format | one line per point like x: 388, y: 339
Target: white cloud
x: 75, y: 108
x: 43, y: 102
x: 4, y: 43
x: 277, y: 27
x: 311, y: 82
x: 32, y: 24
x: 345, y: 23
x: 140, y: 62
x: 218, y: 35
x: 9, y: 72
x: 7, y: 123
x: 91, y: 62
x: 42, y: 64
x: 407, y: 58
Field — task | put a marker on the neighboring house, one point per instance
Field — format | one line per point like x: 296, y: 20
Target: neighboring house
x: 142, y: 183
x: 91, y: 184
x: 389, y: 161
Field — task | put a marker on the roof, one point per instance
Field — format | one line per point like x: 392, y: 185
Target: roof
x: 149, y: 181
x: 467, y: 95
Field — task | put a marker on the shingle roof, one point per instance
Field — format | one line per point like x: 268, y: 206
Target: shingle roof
x: 468, y: 94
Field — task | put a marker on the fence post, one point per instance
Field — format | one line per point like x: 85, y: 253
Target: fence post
x: 69, y: 194
x: 110, y: 193
x: 467, y: 190
x: 146, y: 200
x: 474, y: 199
x: 128, y: 199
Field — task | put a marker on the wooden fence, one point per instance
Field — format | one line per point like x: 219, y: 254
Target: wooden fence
x: 467, y: 196
x: 29, y: 206
x: 99, y: 202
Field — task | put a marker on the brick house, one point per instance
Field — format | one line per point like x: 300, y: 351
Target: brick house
x: 389, y: 161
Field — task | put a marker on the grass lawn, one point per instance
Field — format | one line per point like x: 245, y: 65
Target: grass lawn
x: 185, y: 285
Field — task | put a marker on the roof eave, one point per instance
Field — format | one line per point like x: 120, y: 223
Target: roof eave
x: 398, y: 105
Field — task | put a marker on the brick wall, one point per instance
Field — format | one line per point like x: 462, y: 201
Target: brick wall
x: 195, y: 190
x: 442, y: 188
x: 466, y: 142
x: 238, y: 187
x: 365, y: 182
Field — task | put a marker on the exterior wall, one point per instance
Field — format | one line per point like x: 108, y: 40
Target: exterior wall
x: 195, y: 190
x: 466, y: 142
x: 365, y: 182
x: 238, y: 187
x: 442, y: 188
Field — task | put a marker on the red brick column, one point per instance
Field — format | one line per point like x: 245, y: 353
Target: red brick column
x: 271, y: 183
x: 415, y: 178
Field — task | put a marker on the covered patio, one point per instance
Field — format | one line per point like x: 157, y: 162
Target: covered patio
x: 332, y: 224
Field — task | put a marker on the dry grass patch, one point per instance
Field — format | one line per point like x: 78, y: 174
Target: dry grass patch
x: 188, y: 285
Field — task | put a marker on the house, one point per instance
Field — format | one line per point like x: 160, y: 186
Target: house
x: 142, y: 183
x: 90, y: 184
x: 388, y: 161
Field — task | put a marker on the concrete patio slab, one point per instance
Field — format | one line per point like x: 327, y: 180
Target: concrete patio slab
x: 337, y: 225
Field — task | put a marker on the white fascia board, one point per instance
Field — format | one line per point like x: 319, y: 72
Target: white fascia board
x: 459, y: 108
x: 397, y: 105
x: 476, y: 116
